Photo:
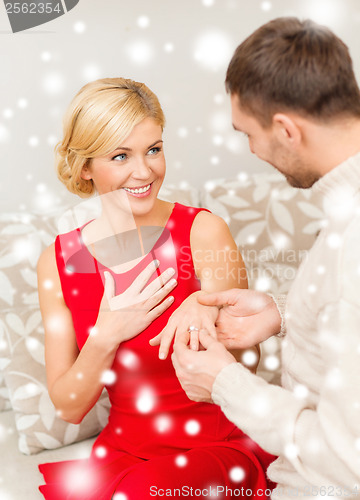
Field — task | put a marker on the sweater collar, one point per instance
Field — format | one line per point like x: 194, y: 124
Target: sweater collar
x: 339, y: 188
x: 345, y: 176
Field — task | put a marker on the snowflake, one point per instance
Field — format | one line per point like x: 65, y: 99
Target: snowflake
x: 237, y: 474
x: 48, y: 284
x: 140, y: 52
x: 291, y: 451
x: 169, y: 47
x: 79, y: 27
x: 272, y: 362
x: 266, y: 5
x: 213, y: 50
x: 181, y: 460
x: 300, y: 391
x: 143, y: 22
x: 249, y: 358
x: 8, y: 113
x: 100, y: 451
x: 46, y: 56
x: 259, y: 404
x: 108, y: 377
x: 120, y: 496
x: 22, y: 103
x: 334, y: 240
x: 146, y: 400
x: 4, y: 134
x: 183, y: 132
x: 53, y: 83
x: 91, y: 72
x: 192, y: 427
x: 163, y: 423
x: 128, y: 359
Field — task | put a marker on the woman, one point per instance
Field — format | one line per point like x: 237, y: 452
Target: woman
x: 109, y: 297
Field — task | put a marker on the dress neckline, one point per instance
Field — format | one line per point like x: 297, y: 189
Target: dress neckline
x: 102, y: 267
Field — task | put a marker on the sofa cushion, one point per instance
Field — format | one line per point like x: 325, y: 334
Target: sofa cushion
x: 273, y: 224
x: 23, y: 237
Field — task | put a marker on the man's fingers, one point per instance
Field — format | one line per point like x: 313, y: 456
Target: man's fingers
x: 206, y: 339
x: 219, y: 299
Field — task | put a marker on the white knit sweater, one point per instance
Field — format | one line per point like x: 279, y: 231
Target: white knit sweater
x: 312, y: 422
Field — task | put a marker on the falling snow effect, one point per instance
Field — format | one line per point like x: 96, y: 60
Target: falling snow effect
x: 237, y: 474
x: 146, y: 400
x: 210, y: 51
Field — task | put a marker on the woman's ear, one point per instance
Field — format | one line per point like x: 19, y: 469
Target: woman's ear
x: 85, y: 172
x: 287, y: 130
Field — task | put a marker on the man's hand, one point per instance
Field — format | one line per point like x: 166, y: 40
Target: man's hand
x: 197, y: 370
x: 246, y: 317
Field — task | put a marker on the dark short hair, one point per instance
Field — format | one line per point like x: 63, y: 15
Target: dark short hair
x: 288, y: 64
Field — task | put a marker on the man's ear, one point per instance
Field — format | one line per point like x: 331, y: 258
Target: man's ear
x: 287, y: 130
x: 85, y: 172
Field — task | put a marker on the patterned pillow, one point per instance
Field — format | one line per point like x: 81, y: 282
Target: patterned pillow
x: 274, y: 226
x: 23, y: 237
x: 22, y: 367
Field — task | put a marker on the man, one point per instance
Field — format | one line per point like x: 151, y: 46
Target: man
x: 294, y: 94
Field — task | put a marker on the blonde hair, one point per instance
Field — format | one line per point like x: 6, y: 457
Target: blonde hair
x: 101, y: 115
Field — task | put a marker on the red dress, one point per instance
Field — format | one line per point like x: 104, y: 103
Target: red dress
x: 157, y: 442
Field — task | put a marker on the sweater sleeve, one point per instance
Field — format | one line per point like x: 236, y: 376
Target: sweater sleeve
x: 322, y: 442
x: 280, y: 302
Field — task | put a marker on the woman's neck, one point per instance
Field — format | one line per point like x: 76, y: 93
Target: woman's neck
x: 114, y: 220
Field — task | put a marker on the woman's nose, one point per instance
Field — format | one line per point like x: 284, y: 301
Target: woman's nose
x: 141, y: 169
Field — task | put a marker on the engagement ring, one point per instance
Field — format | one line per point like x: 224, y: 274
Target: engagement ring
x: 193, y: 328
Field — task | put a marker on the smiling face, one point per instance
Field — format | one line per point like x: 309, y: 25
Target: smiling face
x: 132, y: 174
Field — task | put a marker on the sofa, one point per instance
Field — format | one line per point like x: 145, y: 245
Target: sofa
x: 274, y: 226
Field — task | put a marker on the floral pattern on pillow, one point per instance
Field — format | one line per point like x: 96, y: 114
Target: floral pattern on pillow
x: 274, y: 226
x: 23, y: 237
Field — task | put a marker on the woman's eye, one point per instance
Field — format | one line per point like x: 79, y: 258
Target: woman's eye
x: 153, y: 151
x: 121, y: 157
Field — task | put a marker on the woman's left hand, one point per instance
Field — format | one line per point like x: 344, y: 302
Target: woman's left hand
x: 190, y: 317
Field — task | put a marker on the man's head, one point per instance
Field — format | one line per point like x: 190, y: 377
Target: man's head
x: 286, y: 75
x: 293, y: 65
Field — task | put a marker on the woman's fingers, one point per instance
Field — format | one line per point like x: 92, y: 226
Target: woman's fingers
x: 158, y: 310
x: 140, y: 281
x: 154, y: 299
x: 194, y: 336
x: 159, y: 283
x: 109, y: 286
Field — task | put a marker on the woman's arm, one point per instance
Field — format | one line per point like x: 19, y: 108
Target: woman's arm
x: 75, y: 377
x: 219, y: 266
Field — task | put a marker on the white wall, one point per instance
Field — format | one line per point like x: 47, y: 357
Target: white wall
x: 179, y: 48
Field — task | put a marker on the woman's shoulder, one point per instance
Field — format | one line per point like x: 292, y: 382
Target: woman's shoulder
x: 47, y: 262
x: 208, y: 230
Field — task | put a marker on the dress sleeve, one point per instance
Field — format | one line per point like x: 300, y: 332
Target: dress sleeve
x: 321, y: 441
x: 280, y: 302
